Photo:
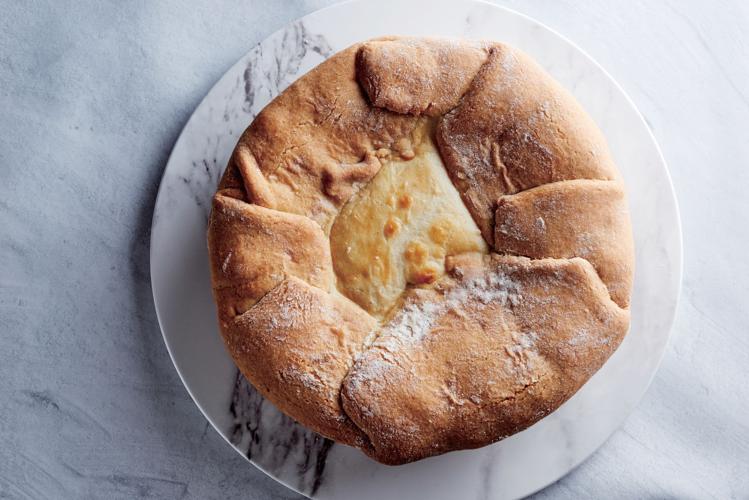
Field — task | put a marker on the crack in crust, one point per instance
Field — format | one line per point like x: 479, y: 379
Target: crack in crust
x: 481, y: 353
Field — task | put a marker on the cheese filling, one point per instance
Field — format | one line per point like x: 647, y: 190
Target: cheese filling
x: 398, y: 229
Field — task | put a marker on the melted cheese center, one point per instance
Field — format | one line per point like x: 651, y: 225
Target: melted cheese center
x: 398, y: 229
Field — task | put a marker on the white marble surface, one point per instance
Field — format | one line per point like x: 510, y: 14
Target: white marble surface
x: 93, y: 97
x: 512, y: 468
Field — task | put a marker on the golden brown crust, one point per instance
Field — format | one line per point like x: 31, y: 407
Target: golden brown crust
x: 478, y: 346
x: 580, y: 218
x: 253, y: 248
x: 481, y: 356
x: 515, y: 129
x: 418, y: 75
x: 310, y: 149
x: 296, y: 345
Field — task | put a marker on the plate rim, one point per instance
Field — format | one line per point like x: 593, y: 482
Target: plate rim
x: 678, y: 256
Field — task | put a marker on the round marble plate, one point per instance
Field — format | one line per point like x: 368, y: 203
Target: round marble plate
x: 303, y: 460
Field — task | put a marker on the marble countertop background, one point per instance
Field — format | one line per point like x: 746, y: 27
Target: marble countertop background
x: 92, y: 97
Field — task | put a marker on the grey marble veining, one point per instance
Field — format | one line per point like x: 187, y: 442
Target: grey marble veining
x: 93, y: 97
x: 278, y: 443
x: 272, y: 441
